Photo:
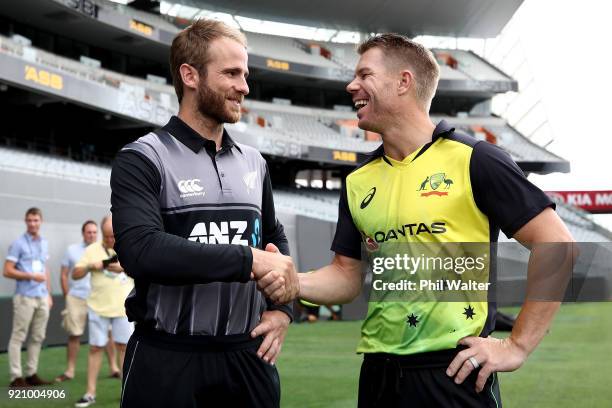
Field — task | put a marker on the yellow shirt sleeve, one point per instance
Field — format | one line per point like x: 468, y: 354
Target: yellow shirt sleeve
x: 85, y: 259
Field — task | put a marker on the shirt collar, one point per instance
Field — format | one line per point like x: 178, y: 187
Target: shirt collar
x: 193, y: 140
x: 31, y: 237
x: 442, y: 128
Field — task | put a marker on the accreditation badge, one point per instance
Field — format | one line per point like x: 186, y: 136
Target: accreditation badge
x: 37, y: 266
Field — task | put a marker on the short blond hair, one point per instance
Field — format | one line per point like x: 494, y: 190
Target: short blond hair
x: 404, y: 52
x: 191, y: 45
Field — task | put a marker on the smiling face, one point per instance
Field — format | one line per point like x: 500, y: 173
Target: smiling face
x: 222, y: 89
x: 33, y: 222
x: 373, y: 91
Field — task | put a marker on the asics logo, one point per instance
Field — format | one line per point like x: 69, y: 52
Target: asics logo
x: 190, y: 188
x: 368, y: 198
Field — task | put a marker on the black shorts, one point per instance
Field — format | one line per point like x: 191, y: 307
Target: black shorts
x: 392, y: 381
x: 227, y: 374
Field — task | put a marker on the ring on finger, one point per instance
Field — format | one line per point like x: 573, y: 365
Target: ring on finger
x: 474, y: 362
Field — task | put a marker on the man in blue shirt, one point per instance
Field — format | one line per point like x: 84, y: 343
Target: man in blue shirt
x: 76, y: 291
x: 26, y: 263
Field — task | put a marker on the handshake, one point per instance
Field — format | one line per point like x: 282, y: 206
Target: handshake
x: 275, y: 274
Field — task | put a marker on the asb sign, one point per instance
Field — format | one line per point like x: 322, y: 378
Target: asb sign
x: 596, y: 202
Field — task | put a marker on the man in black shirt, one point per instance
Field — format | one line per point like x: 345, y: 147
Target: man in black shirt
x: 202, y: 325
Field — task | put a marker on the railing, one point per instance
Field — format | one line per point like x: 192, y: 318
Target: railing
x: 100, y: 75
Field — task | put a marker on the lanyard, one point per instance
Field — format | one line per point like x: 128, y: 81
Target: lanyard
x: 27, y: 236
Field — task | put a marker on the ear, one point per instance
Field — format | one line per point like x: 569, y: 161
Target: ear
x: 189, y: 75
x: 406, y: 82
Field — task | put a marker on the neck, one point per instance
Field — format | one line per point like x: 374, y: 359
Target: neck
x: 409, y: 131
x: 34, y: 235
x: 207, y: 127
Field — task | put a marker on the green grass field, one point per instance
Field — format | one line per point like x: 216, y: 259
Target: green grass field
x: 571, y: 368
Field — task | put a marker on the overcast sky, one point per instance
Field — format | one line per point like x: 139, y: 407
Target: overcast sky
x: 567, y: 44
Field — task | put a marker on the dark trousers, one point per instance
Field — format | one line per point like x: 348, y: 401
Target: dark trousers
x: 156, y: 374
x: 387, y: 381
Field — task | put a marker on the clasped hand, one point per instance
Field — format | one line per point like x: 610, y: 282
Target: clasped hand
x: 275, y: 274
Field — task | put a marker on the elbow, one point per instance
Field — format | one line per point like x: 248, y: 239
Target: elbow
x: 132, y: 268
x: 353, y: 289
x: 125, y: 258
x: 573, y: 249
x: 7, y: 272
x: 354, y: 293
x: 78, y: 273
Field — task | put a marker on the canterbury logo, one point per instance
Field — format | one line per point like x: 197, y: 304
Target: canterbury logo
x: 190, y: 188
x: 368, y: 198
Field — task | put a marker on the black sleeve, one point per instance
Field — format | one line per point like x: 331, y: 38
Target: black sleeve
x: 501, y: 190
x: 274, y: 233
x: 150, y: 254
x: 347, y: 240
x: 272, y: 230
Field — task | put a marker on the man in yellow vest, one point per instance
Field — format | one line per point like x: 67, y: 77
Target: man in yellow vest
x: 428, y: 184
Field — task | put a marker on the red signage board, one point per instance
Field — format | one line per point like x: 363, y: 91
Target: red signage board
x: 596, y: 202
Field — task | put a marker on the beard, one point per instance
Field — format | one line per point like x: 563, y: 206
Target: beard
x: 212, y: 104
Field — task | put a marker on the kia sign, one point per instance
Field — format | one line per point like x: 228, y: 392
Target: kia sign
x: 596, y: 202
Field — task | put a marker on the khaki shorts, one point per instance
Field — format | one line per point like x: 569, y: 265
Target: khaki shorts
x: 74, y: 316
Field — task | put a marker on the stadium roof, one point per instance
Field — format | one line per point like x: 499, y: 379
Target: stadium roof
x: 455, y: 18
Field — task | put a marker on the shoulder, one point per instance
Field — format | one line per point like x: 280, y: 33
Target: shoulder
x: 487, y: 157
x: 253, y: 157
x: 373, y: 159
x: 482, y: 153
x: 460, y: 137
x: 143, y: 153
x: 92, y: 248
x: 250, y: 152
x: 19, y: 242
x: 74, y: 248
x: 150, y: 145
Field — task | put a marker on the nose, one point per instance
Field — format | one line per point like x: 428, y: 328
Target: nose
x: 352, y: 86
x: 243, y: 87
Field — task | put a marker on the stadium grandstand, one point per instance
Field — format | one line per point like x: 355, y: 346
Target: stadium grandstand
x: 81, y: 78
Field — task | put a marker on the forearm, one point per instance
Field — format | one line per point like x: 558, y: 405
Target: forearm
x: 14, y: 273
x: 64, y: 281
x: 549, y: 270
x: 79, y: 272
x: 48, y: 273
x: 167, y: 259
x: 532, y: 324
x: 330, y: 285
x: 287, y: 308
x: 64, y: 284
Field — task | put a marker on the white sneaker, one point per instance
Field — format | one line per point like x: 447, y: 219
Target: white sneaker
x: 85, y: 401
